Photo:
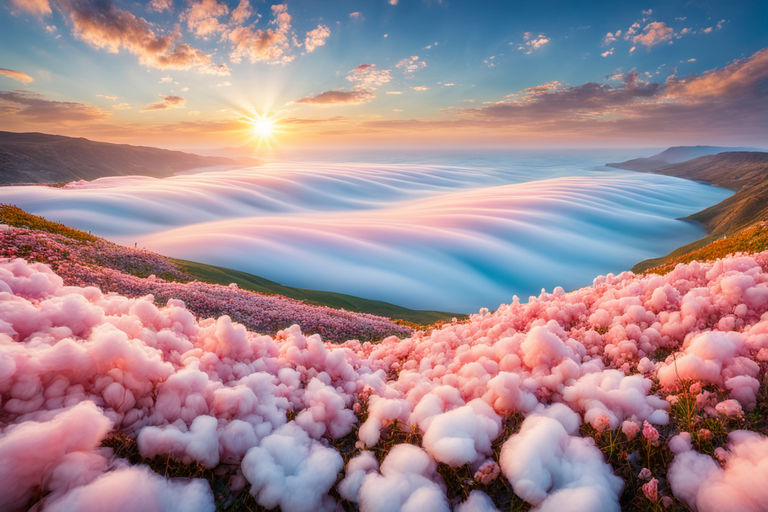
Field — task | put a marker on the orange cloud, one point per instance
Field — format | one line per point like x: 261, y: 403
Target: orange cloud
x: 102, y: 25
x: 17, y: 75
x: 31, y: 106
x: 166, y: 103
x: 242, y: 12
x: 654, y: 33
x: 203, y: 17
x: 411, y: 64
x: 316, y: 38
x: 37, y: 7
x: 338, y: 96
x: 369, y: 76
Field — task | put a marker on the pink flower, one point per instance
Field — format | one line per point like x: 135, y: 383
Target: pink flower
x: 695, y: 388
x: 649, y: 432
x: 651, y: 490
x: 602, y: 423
x: 644, y: 474
x: 630, y: 429
x: 705, y: 434
x: 487, y: 473
x: 667, y: 501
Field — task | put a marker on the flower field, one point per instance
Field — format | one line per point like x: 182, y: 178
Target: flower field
x: 638, y: 392
x: 135, y: 273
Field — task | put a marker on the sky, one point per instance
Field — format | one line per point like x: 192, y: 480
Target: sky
x: 252, y: 74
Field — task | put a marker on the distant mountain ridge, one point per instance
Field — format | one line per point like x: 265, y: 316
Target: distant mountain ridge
x: 673, y: 155
x: 735, y: 222
x: 44, y: 158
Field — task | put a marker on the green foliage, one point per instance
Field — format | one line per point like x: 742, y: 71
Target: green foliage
x: 752, y: 239
x: 246, y: 281
x: 15, y: 216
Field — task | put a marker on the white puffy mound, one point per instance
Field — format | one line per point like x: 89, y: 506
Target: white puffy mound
x: 267, y: 412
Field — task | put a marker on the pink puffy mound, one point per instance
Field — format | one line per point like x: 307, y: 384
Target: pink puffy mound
x: 528, y: 393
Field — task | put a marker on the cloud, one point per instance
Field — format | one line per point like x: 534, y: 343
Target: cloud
x: 607, y: 53
x: 161, y: 5
x: 411, y: 64
x: 203, y: 17
x: 242, y: 12
x: 166, y: 103
x: 36, y: 7
x: 420, y: 88
x: 366, y: 78
x: 270, y: 45
x: 654, y: 33
x: 338, y: 96
x: 17, y: 75
x: 610, y: 37
x: 34, y: 107
x: 369, y: 76
x: 102, y: 25
x: 728, y: 102
x: 316, y: 38
x: 532, y: 43
x: 356, y: 16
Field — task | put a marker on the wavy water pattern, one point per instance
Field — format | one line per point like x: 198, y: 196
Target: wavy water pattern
x: 439, y: 237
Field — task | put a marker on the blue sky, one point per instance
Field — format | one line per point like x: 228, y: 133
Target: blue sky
x: 430, y: 70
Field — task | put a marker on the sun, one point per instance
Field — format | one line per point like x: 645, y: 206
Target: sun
x: 263, y: 127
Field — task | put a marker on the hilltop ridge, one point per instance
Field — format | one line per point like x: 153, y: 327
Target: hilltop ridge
x: 27, y: 158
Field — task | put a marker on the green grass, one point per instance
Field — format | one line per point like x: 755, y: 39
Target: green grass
x: 15, y: 216
x: 221, y: 275
x: 751, y: 240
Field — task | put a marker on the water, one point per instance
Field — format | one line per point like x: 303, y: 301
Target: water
x: 454, y: 232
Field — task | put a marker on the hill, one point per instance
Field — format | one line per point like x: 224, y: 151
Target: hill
x: 672, y: 155
x: 142, y: 264
x: 727, y: 222
x: 44, y: 158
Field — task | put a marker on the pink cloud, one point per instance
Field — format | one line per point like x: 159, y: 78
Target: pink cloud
x: 411, y: 64
x: 31, y: 106
x: 338, y: 96
x: 203, y: 17
x: 271, y: 45
x: 166, y: 103
x: 242, y: 12
x: 369, y: 76
x: 654, y: 33
x: 103, y: 25
x: 37, y: 7
x: 16, y: 75
x: 316, y: 38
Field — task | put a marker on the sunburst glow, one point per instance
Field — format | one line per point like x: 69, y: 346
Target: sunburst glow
x: 263, y: 127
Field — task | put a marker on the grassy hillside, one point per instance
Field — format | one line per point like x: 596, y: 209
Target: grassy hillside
x: 221, y: 275
x: 731, y: 222
x: 750, y: 239
x: 15, y: 216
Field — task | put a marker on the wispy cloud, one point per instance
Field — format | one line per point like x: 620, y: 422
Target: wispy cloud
x: 35, y: 107
x: 338, y: 96
x: 532, y: 42
x: 102, y: 25
x: 37, y: 7
x: 411, y: 64
x: 16, y: 75
x: 316, y: 38
x: 166, y: 103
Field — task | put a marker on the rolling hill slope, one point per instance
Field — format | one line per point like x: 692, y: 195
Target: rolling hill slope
x: 735, y: 218
x: 44, y: 158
